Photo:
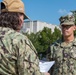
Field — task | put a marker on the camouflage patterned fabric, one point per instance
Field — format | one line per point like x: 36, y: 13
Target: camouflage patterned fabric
x: 67, y: 20
x: 64, y: 56
x: 17, y: 54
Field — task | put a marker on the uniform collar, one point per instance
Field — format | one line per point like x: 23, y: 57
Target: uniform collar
x: 73, y: 43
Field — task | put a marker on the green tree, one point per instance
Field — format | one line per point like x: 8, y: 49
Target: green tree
x: 56, y: 34
x: 42, y: 39
x: 74, y: 13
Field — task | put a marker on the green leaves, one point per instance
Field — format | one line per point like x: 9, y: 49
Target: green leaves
x: 42, y: 39
x: 74, y: 13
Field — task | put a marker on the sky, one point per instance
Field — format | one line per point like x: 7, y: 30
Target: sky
x: 48, y: 11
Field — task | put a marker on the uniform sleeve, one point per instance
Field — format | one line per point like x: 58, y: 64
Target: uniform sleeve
x: 21, y: 64
x: 27, y: 59
x: 33, y: 59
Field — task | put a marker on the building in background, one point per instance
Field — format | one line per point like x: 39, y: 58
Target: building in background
x: 35, y: 26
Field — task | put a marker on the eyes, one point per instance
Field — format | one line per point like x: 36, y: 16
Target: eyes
x: 66, y: 26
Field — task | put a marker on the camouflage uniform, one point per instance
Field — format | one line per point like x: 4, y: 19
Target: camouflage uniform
x: 17, y: 54
x: 64, y: 56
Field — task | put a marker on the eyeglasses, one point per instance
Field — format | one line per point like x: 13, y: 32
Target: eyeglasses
x: 66, y: 26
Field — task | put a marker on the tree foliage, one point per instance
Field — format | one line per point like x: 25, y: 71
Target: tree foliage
x: 42, y: 39
x: 74, y: 13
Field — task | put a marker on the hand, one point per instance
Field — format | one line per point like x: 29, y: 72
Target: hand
x: 46, y: 73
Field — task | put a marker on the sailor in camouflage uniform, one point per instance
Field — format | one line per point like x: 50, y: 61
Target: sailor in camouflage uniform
x: 17, y: 54
x: 63, y: 51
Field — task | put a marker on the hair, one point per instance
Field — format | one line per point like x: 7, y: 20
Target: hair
x: 10, y: 20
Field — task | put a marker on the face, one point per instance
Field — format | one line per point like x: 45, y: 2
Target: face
x: 21, y: 16
x: 68, y: 30
x: 21, y: 19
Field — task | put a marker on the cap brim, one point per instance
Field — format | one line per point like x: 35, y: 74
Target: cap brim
x: 67, y: 24
x: 26, y: 17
